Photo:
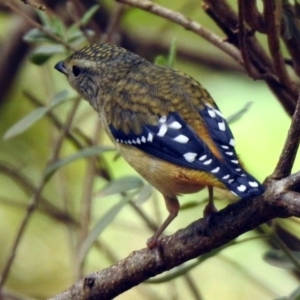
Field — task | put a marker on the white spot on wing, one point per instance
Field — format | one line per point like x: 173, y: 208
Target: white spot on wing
x: 143, y: 139
x: 216, y: 170
x: 150, y: 137
x: 253, y: 183
x: 222, y: 126
x: 229, y: 153
x: 242, y: 188
x: 230, y: 180
x: 175, y: 125
x: 234, y: 161
x: 163, y: 119
x: 202, y: 157
x: 211, y: 113
x: 162, y: 130
x: 190, y: 156
x: 224, y: 147
x: 207, y: 162
x: 182, y: 139
x: 138, y: 141
x: 226, y: 176
x: 232, y: 142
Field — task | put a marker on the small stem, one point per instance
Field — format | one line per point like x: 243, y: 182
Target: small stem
x: 185, y: 22
x: 40, y: 27
x: 289, y: 151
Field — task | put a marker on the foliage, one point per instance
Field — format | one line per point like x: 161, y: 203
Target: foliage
x: 70, y: 201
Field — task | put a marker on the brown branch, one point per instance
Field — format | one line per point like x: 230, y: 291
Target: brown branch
x: 292, y: 42
x: 37, y: 25
x: 273, y: 15
x: 193, y: 26
x: 34, y: 4
x: 198, y: 238
x: 227, y: 20
x: 289, y: 152
x: 253, y: 17
x: 242, y: 34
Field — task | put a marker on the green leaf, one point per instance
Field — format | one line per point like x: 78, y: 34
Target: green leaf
x: 121, y: 185
x: 25, y: 123
x: 89, y: 15
x: 144, y: 194
x: 35, y: 35
x: 86, y: 152
x: 190, y: 204
x: 160, y: 61
x: 172, y: 53
x: 58, y: 27
x: 59, y: 98
x: 279, y: 259
x: 45, y: 18
x: 73, y: 34
x: 41, y: 54
x: 240, y: 113
x: 101, y: 225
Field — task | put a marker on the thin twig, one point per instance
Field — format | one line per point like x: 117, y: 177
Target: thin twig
x: 242, y: 34
x: 273, y: 15
x: 253, y: 17
x: 28, y: 188
x: 288, y: 154
x: 32, y: 205
x: 34, y: 4
x: 40, y: 27
x: 185, y: 22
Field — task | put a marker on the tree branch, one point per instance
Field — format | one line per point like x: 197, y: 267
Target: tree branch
x: 289, y: 152
x: 198, y: 238
x: 185, y: 22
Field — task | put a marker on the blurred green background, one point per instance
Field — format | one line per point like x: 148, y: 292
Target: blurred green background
x: 47, y: 257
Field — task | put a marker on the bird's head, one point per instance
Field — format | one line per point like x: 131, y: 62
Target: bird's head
x: 96, y: 67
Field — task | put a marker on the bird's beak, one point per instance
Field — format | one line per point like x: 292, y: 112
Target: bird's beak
x: 60, y: 66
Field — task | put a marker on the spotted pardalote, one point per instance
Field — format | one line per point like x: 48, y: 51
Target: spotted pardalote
x: 162, y: 121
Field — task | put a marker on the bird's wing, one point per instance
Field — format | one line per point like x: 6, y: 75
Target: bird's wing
x: 175, y: 141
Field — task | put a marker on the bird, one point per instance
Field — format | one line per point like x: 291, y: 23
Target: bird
x: 163, y: 122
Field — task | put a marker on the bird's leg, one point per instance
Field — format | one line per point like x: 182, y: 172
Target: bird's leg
x: 210, y: 207
x: 173, y: 206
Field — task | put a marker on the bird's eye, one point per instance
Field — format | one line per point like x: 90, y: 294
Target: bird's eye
x: 76, y: 71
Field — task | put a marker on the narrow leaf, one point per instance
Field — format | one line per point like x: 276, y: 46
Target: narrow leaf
x: 160, y: 61
x: 41, y: 54
x: 35, y: 35
x: 237, y: 115
x: 121, y: 185
x: 25, y: 123
x: 144, y: 194
x: 59, y: 98
x: 172, y: 53
x: 35, y: 116
x: 89, y: 15
x: 87, y: 152
x: 101, y: 225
